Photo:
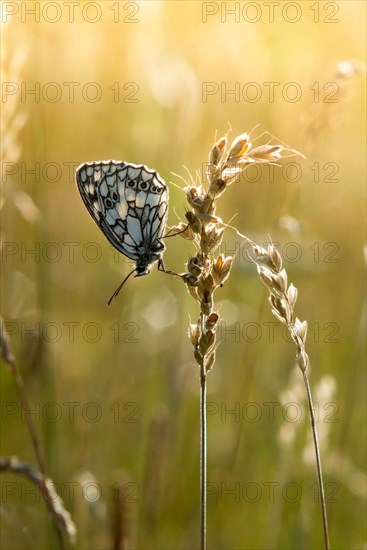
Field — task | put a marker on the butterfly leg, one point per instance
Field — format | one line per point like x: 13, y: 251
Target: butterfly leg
x: 162, y: 268
x: 175, y: 234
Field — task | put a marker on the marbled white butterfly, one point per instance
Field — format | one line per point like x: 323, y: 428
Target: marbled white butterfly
x: 129, y: 203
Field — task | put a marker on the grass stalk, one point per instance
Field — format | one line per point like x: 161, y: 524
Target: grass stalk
x: 282, y: 299
x: 206, y: 271
x: 318, y: 461
x: 203, y: 464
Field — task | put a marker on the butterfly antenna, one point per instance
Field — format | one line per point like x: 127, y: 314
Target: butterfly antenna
x: 114, y: 295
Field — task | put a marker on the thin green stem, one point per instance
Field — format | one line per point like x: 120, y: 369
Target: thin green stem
x: 318, y: 462
x: 202, y: 457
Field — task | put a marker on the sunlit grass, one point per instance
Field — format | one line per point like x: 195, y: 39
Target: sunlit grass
x: 145, y: 368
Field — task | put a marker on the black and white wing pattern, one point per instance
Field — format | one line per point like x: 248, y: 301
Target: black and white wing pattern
x: 129, y: 203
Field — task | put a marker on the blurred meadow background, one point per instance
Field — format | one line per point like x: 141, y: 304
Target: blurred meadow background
x: 115, y: 390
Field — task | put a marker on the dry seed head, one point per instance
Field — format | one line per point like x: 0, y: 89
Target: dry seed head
x: 267, y: 153
x: 192, y: 281
x: 194, y: 334
x: 301, y: 330
x: 183, y: 231
x: 198, y: 357
x: 221, y: 269
x: 213, y: 169
x: 262, y: 256
x: 278, y: 316
x: 275, y: 258
x: 212, y: 172
x: 192, y: 288
x: 208, y: 206
x: 211, y: 321
x: 204, y: 260
x: 266, y: 276
x: 208, y: 218
x: 302, y: 360
x: 211, y: 238
x: 207, y: 341
x: 230, y: 174
x: 218, y: 150
x: 199, y: 200
x: 278, y: 281
x: 194, y: 222
x: 207, y: 284
x: 239, y: 146
x: 194, y: 267
x: 282, y: 308
x: 206, y: 303
x: 195, y: 196
x: 192, y: 191
x: 269, y: 258
x: 292, y: 294
x: 210, y: 361
x: 282, y: 277
x: 200, y: 290
x: 217, y: 188
x: 219, y: 262
x: 238, y: 162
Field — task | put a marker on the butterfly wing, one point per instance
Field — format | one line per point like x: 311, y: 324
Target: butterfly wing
x: 129, y: 203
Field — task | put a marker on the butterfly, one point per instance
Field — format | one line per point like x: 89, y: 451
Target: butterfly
x: 129, y: 203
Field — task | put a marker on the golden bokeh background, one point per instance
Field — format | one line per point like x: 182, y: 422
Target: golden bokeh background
x: 115, y: 390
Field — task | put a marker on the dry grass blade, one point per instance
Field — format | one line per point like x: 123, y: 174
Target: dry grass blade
x: 206, y: 271
x: 282, y: 299
x: 60, y: 515
x: 61, y: 518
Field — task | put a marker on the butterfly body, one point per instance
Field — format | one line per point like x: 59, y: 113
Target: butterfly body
x: 129, y: 203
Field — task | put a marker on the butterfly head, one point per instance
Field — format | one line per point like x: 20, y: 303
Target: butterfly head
x: 142, y: 270
x: 145, y: 262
